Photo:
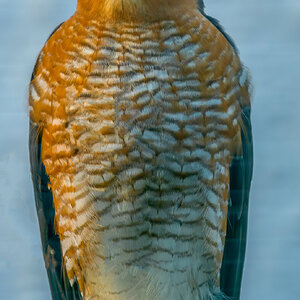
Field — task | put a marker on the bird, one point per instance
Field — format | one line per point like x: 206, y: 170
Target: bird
x: 141, y: 153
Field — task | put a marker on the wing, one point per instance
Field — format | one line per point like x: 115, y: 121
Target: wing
x: 240, y: 180
x: 60, y: 286
x: 200, y: 5
x: 236, y: 235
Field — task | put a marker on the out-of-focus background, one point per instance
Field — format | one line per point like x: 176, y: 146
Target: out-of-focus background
x: 267, y: 35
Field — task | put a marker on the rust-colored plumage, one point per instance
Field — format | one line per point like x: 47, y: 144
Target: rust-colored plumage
x: 137, y: 127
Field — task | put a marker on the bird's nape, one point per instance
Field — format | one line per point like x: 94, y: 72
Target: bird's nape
x: 135, y: 10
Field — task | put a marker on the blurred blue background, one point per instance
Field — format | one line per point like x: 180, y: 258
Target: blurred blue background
x: 267, y: 35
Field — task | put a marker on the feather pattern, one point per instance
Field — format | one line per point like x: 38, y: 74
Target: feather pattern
x: 60, y: 286
x: 138, y: 125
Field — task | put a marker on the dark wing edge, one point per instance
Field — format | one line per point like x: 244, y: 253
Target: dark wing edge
x: 200, y: 5
x: 237, y: 220
x: 60, y: 286
x: 217, y: 24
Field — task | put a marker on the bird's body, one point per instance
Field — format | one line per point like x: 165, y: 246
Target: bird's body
x: 139, y: 123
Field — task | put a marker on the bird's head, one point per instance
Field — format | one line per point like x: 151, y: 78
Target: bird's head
x: 137, y: 9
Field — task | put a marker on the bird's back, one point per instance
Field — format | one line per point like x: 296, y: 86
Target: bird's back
x: 140, y: 122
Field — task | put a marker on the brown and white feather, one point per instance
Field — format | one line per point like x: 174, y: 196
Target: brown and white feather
x: 140, y: 122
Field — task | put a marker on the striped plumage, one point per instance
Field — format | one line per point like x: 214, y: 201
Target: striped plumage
x: 138, y: 124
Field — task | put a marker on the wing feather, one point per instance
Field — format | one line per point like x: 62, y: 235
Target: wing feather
x: 236, y: 235
x: 60, y: 286
x: 240, y: 181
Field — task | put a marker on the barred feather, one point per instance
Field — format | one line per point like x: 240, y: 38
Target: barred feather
x: 140, y: 123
